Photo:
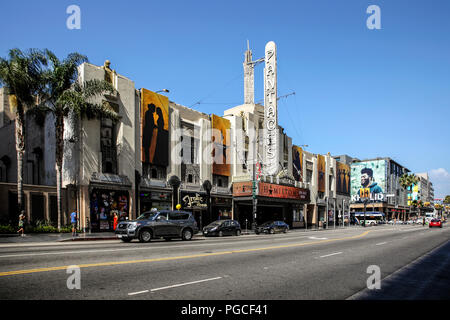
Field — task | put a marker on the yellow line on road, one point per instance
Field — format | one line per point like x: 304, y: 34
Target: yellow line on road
x: 115, y: 263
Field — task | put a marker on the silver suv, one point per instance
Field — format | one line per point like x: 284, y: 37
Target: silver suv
x: 165, y: 224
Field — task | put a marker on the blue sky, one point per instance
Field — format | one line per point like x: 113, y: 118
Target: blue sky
x: 366, y: 93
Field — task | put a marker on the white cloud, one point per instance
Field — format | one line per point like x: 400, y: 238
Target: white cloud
x: 439, y: 174
x: 441, y: 182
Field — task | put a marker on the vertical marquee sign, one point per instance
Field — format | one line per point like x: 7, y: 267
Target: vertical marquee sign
x: 270, y: 109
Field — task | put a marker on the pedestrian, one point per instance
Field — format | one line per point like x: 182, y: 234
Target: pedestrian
x: 116, y: 219
x: 423, y: 222
x: 73, y: 220
x: 21, y: 223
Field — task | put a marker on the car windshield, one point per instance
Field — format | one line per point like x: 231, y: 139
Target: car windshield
x: 216, y: 223
x: 267, y: 223
x: 147, y: 216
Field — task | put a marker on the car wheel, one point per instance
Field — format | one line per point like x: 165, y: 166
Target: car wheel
x: 145, y: 236
x: 187, y: 234
x: 256, y: 232
x: 285, y: 230
x: 271, y: 231
x: 220, y: 234
x: 126, y: 239
x: 238, y: 233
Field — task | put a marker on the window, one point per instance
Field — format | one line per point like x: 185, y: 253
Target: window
x: 190, y: 179
x: 308, y: 175
x: 154, y: 174
x: 108, y: 146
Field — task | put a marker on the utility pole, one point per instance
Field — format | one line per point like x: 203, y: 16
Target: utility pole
x: 254, y: 186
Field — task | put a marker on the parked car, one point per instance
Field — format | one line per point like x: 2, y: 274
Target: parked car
x: 435, y: 223
x: 272, y: 227
x: 222, y: 228
x: 419, y: 221
x: 165, y: 224
x: 369, y: 222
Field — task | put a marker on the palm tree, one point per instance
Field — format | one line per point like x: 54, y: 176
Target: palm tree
x: 64, y: 94
x: 407, y: 181
x: 21, y: 76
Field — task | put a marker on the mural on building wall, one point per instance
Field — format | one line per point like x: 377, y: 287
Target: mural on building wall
x: 221, y: 141
x: 414, y: 196
x: 297, y: 159
x: 342, y: 178
x: 321, y: 172
x: 369, y: 178
x: 154, y: 128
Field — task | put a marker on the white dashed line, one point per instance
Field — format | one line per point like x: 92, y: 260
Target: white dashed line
x: 331, y: 254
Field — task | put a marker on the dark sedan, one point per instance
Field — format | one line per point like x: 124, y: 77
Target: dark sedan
x: 272, y: 227
x: 222, y: 228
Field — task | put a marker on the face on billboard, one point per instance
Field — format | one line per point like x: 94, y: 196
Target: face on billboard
x: 370, y: 176
x: 154, y: 128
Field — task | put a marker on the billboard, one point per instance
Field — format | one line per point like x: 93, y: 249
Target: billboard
x: 368, y: 178
x: 297, y: 162
x: 221, y: 145
x: 321, y: 173
x: 342, y: 178
x: 154, y: 128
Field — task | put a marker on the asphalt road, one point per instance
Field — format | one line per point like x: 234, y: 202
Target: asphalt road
x: 297, y: 265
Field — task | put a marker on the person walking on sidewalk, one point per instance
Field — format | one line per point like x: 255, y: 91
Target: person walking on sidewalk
x: 116, y: 221
x: 21, y: 223
x: 73, y: 220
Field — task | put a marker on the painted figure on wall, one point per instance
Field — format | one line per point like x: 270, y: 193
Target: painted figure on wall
x: 154, y: 128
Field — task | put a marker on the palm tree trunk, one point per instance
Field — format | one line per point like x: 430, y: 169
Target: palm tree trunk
x: 20, y: 149
x: 59, y: 127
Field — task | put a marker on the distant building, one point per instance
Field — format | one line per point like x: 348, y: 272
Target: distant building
x: 380, y: 177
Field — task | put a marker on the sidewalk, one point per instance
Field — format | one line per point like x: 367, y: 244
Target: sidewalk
x: 58, y: 237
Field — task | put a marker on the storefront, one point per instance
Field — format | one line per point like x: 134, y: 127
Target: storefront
x: 159, y: 199
x: 197, y: 204
x: 273, y: 202
x: 105, y: 204
x: 221, y: 207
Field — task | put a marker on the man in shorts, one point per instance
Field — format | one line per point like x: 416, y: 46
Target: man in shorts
x: 73, y: 220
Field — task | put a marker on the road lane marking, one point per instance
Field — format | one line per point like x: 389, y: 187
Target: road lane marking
x: 115, y: 263
x: 331, y: 254
x: 381, y: 243
x: 135, y: 293
x: 185, y: 284
x: 141, y: 248
x: 314, y: 238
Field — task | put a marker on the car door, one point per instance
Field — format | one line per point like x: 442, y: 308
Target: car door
x: 176, y: 222
x: 161, y: 225
x: 226, y: 227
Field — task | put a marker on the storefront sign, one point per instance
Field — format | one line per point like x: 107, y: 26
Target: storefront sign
x: 193, y: 200
x: 284, y: 192
x: 242, y: 189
